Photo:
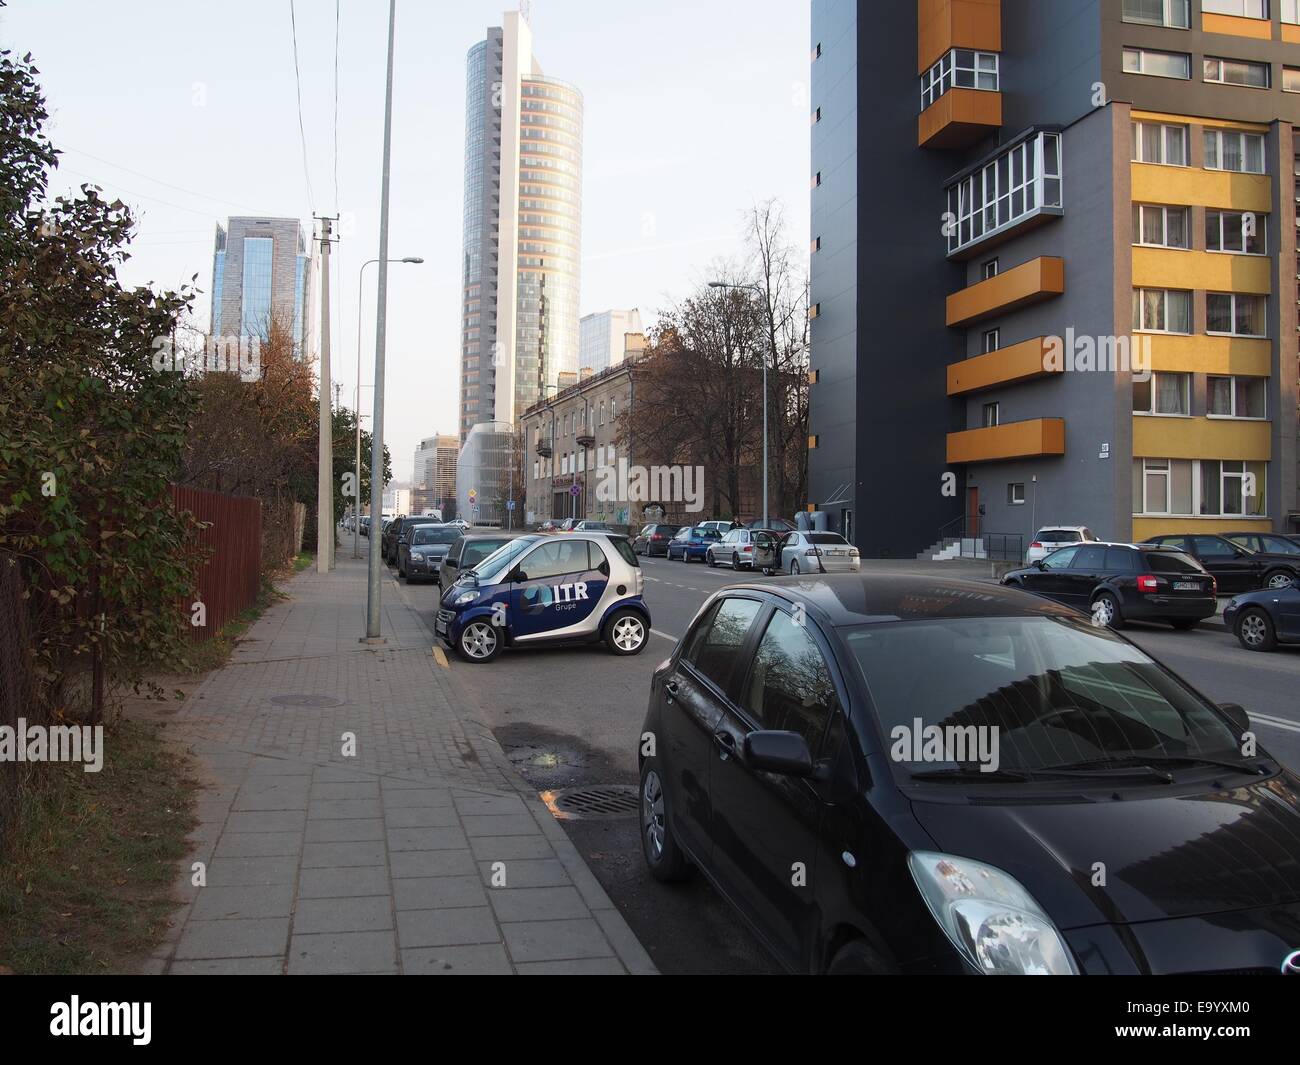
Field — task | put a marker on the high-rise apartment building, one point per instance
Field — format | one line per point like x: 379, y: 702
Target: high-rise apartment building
x: 522, y: 228
x: 262, y: 271
x: 1016, y: 204
x: 601, y: 337
x: 433, y: 483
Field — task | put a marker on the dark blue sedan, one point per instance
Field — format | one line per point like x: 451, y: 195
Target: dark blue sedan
x: 691, y: 543
x: 1261, y: 620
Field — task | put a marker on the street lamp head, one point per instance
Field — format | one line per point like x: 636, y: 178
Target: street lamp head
x: 718, y: 284
x: 412, y: 259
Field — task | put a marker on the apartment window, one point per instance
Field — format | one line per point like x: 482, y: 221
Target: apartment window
x: 961, y: 68
x: 1157, y: 64
x: 1016, y: 494
x: 815, y: 310
x: 817, y: 51
x: 1230, y: 149
x: 1154, y: 142
x: 817, y: 244
x: 1231, y: 231
x: 1208, y: 487
x: 1291, y: 12
x: 1236, y: 397
x: 813, y: 441
x: 1162, y: 486
x: 1163, y: 393
x: 990, y: 415
x: 992, y: 340
x: 1235, y: 314
x: 1160, y: 310
x: 1171, y: 13
x: 1164, y: 227
x: 1291, y: 79
x: 817, y: 179
x: 989, y: 269
x: 1235, y: 72
x: 1232, y: 487
x: 1240, y: 8
x: 613, y: 407
x: 817, y: 116
x: 1019, y: 183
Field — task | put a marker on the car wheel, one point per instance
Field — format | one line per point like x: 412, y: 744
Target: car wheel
x: 626, y: 633
x: 1184, y: 624
x: 1106, y: 612
x: 480, y: 641
x: 1277, y: 578
x: 662, y: 855
x: 713, y: 562
x: 794, y: 568
x: 859, y: 958
x: 401, y: 569
x: 1255, y: 631
x: 735, y: 561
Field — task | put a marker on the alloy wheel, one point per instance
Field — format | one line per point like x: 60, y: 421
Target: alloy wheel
x: 629, y: 633
x: 1254, y: 630
x: 479, y: 640
x: 652, y: 814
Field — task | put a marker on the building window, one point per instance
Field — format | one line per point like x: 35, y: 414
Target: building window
x: 812, y: 441
x: 1232, y: 487
x: 817, y: 51
x: 602, y: 412
x: 817, y: 116
x: 815, y: 310
x: 1163, y: 227
x: 992, y: 340
x: 1016, y: 494
x: 1171, y: 13
x: 1236, y: 397
x: 989, y: 269
x: 1162, y: 486
x: 613, y: 407
x: 1291, y: 12
x: 817, y: 179
x: 1234, y: 314
x: 1157, y: 64
x: 1205, y: 487
x: 1154, y: 142
x: 1240, y: 8
x: 990, y: 415
x: 1235, y: 72
x: 1291, y: 79
x: 1018, y: 184
x: 1163, y: 393
x: 1160, y: 310
x: 961, y: 68
x: 1230, y: 149
x: 817, y: 244
x: 1229, y: 231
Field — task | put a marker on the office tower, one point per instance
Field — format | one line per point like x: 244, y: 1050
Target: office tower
x: 433, y: 483
x: 262, y: 270
x: 601, y: 337
x: 1013, y: 202
x: 522, y: 228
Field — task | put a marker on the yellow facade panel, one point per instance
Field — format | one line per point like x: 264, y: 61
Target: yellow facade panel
x: 1012, y: 440
x: 1206, y: 270
x: 1206, y: 354
x: 1201, y: 438
x: 1236, y: 26
x: 1145, y: 528
x: 1009, y: 365
x: 1153, y: 183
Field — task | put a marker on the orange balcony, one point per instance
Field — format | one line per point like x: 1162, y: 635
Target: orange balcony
x: 1036, y: 438
x: 1006, y: 366
x: 1032, y: 282
x: 945, y: 24
x: 959, y: 118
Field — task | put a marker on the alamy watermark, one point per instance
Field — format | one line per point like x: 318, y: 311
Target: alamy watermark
x: 53, y: 743
x: 225, y: 354
x: 653, y: 484
x: 1081, y: 353
x: 963, y: 744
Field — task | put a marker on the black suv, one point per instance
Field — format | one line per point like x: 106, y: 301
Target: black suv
x: 388, y: 540
x: 1236, y: 568
x: 1123, y: 582
x: 653, y: 539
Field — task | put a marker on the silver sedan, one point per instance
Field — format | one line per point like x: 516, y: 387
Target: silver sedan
x: 818, y: 552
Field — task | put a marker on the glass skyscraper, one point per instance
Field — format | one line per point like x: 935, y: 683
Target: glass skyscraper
x: 262, y: 271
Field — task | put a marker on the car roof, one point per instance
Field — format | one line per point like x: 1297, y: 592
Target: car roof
x: 1121, y: 543
x: 504, y: 535
x: 857, y: 599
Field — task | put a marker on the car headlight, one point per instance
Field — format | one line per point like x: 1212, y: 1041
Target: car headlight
x: 992, y: 921
x: 467, y: 597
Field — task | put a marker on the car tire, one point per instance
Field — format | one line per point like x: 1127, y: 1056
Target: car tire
x: 663, y: 857
x: 1254, y: 630
x: 713, y: 562
x: 1106, y: 611
x: 1276, y: 579
x: 1184, y: 624
x: 626, y: 632
x: 859, y: 958
x: 735, y: 561
x: 794, y: 567
x: 483, y: 643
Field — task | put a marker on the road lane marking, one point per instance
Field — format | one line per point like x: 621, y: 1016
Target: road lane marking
x: 1276, y: 722
x: 665, y: 635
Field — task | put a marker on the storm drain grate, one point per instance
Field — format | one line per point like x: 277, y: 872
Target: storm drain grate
x: 595, y: 800
x: 305, y: 699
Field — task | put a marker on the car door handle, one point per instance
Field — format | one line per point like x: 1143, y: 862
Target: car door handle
x: 725, y: 742
x: 671, y: 687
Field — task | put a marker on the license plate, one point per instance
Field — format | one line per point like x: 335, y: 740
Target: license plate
x: 1186, y: 586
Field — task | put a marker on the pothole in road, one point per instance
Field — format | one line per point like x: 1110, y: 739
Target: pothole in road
x: 551, y: 760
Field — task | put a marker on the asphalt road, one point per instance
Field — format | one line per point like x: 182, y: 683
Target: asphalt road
x: 573, y: 716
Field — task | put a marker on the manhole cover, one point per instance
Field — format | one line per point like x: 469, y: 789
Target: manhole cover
x: 304, y: 699
x: 594, y: 800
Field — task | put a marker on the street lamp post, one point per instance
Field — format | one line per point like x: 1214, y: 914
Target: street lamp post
x: 771, y: 344
x: 356, y: 524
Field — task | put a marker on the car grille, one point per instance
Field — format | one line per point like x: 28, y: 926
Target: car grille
x: 445, y: 615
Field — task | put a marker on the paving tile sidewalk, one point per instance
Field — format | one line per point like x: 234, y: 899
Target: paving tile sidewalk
x: 423, y: 853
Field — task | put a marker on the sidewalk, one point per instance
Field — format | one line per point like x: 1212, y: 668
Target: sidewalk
x: 423, y: 853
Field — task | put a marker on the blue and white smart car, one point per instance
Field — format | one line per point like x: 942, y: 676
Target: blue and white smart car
x: 548, y: 589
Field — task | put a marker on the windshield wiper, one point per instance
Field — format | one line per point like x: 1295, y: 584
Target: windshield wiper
x: 995, y: 776
x: 1149, y: 762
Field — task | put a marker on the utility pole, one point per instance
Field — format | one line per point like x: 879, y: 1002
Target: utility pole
x: 381, y: 324
x: 325, y: 450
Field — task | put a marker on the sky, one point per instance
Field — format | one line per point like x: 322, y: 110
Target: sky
x: 188, y: 111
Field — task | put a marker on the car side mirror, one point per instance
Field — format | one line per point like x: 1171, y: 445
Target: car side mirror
x: 1237, y: 717
x: 771, y: 751
x: 1040, y: 564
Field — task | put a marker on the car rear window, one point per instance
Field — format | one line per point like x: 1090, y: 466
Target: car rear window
x: 1059, y: 536
x: 624, y: 549
x: 1171, y: 562
x: 825, y: 538
x: 421, y: 535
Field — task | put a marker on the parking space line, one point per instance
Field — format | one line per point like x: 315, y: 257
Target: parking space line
x: 665, y: 635
x: 1276, y: 722
x: 440, y: 657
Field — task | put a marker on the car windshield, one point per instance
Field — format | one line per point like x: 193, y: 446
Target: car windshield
x: 475, y: 551
x: 497, y: 564
x: 1035, y: 692
x: 429, y: 535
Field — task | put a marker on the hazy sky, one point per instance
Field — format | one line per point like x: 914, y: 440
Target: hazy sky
x: 187, y: 110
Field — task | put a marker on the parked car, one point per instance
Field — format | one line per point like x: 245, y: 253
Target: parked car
x: 690, y: 542
x: 539, y: 590
x: 653, y: 539
x: 421, y: 549
x: 548, y: 526
x: 735, y: 549
x: 1051, y: 537
x: 591, y: 525
x: 1123, y: 582
x: 1266, y: 543
x: 388, y: 542
x: 818, y: 552
x: 720, y: 527
x: 468, y: 551
x: 771, y: 523
x: 365, y: 525
x: 789, y: 724
x: 1236, y: 568
x: 1261, y: 620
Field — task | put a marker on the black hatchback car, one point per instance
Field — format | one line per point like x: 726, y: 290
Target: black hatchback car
x: 1123, y: 582
x: 1236, y: 568
x: 1261, y: 620
x: 913, y: 774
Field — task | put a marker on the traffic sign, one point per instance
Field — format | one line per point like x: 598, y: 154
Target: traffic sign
x: 473, y: 495
x: 574, y: 490
x: 510, y: 504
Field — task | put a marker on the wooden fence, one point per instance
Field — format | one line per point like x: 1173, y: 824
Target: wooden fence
x: 230, y: 575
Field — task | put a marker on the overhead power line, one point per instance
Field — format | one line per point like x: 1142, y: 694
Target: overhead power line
x: 302, y: 130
